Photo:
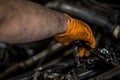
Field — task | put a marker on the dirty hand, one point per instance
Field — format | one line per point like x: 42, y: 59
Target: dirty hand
x: 77, y: 30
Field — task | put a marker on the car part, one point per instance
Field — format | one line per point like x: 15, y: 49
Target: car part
x: 49, y: 60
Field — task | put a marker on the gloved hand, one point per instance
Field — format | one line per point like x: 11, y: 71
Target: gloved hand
x: 77, y: 30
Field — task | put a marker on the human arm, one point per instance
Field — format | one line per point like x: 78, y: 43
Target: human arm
x: 23, y: 21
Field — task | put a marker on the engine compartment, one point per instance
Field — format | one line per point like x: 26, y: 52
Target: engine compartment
x: 49, y: 60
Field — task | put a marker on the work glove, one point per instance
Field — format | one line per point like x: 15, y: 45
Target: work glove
x: 77, y: 30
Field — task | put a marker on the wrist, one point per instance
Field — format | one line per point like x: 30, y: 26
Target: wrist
x: 64, y: 23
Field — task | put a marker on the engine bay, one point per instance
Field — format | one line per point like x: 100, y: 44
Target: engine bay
x: 49, y: 60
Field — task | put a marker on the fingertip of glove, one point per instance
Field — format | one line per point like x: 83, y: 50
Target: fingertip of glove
x: 81, y: 52
x: 93, y: 44
x: 87, y: 53
x: 66, y: 43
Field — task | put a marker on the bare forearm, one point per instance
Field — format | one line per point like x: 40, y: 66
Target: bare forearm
x: 23, y: 21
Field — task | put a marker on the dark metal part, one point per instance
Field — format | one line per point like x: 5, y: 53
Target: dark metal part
x: 76, y: 56
x: 111, y: 74
x: 100, y: 55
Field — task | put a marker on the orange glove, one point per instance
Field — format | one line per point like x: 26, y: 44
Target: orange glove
x: 77, y: 30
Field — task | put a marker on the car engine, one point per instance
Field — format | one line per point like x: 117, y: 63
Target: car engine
x: 49, y: 60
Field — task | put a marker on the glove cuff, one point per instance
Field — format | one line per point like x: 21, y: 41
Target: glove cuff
x: 69, y: 28
x: 67, y: 32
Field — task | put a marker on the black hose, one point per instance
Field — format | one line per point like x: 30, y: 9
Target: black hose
x: 59, y: 66
x: 86, y: 14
